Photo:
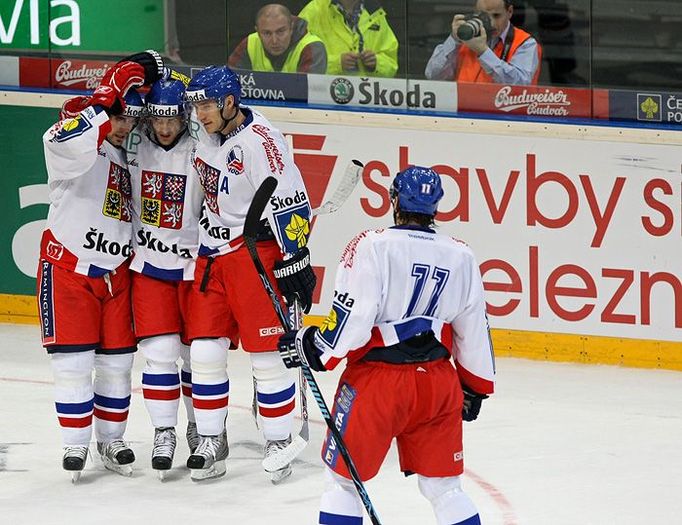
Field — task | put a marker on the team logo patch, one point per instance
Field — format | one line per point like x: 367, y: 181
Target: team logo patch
x: 208, y: 177
x: 117, y: 200
x: 163, y: 199
x: 342, y: 410
x: 294, y: 226
x: 333, y: 324
x: 235, y: 161
x: 72, y: 127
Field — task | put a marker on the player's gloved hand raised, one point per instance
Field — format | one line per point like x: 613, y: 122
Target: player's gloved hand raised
x: 115, y: 84
x: 296, y: 279
x: 73, y: 106
x: 472, y: 404
x: 297, y: 348
x: 152, y: 63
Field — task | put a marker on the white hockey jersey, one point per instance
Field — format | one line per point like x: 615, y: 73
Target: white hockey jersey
x: 395, y: 283
x: 231, y: 172
x: 89, y: 221
x: 167, y: 201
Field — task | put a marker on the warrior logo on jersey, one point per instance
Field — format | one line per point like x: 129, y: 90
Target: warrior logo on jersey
x: 235, y: 161
x: 72, y: 127
x: 293, y: 225
x: 163, y: 198
x: 208, y: 177
x: 342, y: 410
x: 117, y: 200
x: 333, y: 324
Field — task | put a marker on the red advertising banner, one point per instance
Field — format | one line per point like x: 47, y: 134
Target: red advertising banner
x: 533, y: 101
x: 61, y: 73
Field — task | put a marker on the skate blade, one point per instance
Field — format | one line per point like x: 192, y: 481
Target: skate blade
x: 75, y: 476
x: 285, y: 456
x: 162, y: 474
x: 280, y: 475
x: 123, y: 470
x: 216, y: 470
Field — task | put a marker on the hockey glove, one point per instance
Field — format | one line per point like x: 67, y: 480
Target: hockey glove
x: 115, y: 84
x: 296, y: 279
x: 472, y: 404
x: 73, y: 106
x: 152, y: 63
x: 298, y: 349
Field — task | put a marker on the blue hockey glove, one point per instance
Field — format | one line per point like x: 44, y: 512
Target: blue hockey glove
x: 296, y: 279
x: 297, y: 348
x: 472, y: 404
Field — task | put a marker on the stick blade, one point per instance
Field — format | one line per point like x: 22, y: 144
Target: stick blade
x: 350, y: 179
x: 258, y: 204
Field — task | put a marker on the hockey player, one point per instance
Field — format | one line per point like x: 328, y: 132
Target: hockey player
x: 83, y: 278
x: 227, y: 293
x: 167, y: 204
x: 406, y: 298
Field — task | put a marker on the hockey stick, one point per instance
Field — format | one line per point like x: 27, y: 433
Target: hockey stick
x: 286, y: 455
x: 251, y: 226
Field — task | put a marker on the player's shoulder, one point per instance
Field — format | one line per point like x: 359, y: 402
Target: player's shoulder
x: 358, y: 243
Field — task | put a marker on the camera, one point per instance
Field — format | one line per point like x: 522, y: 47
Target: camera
x: 471, y: 28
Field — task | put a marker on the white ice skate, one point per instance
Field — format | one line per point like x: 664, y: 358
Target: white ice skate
x: 192, y: 436
x: 208, y: 460
x: 273, y: 448
x: 74, y: 460
x: 163, y: 450
x: 117, y: 456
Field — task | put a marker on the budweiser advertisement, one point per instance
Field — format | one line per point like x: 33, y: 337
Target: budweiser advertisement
x: 61, y: 73
x: 533, y: 101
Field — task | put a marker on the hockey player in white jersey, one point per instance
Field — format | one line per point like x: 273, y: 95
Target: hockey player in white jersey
x: 406, y: 299
x: 83, y: 276
x: 227, y: 296
x: 167, y: 201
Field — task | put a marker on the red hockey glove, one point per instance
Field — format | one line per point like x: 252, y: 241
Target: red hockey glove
x: 73, y: 106
x: 115, y: 84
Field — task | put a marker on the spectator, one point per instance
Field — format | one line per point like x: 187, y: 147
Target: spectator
x: 509, y: 55
x: 357, y: 36
x: 281, y: 43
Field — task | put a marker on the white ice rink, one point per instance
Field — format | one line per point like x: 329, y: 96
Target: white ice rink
x: 557, y: 444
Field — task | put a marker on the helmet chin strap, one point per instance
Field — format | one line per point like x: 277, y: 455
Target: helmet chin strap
x: 226, y: 121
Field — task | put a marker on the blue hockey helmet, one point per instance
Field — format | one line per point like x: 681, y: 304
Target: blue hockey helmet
x: 214, y: 82
x: 134, y: 104
x: 418, y: 190
x: 166, y: 98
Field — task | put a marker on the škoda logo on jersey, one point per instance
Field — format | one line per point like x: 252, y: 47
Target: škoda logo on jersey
x: 163, y: 199
x: 117, y: 199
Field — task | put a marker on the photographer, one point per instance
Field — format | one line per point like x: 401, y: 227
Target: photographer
x: 489, y: 49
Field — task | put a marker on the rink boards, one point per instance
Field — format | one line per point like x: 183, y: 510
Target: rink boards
x: 577, y: 229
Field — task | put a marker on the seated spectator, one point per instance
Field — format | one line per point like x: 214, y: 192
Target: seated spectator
x: 281, y: 43
x: 357, y: 36
x: 508, y: 55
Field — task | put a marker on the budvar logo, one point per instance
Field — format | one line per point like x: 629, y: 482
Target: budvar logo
x: 547, y: 102
x: 87, y: 73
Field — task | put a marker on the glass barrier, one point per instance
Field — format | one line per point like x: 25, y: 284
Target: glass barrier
x: 603, y: 59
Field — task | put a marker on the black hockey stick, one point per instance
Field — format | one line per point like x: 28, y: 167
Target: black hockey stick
x: 251, y: 227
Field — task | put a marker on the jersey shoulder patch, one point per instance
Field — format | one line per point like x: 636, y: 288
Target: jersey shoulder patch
x: 72, y: 128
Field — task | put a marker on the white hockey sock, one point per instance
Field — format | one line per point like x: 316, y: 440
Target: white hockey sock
x: 210, y: 384
x: 160, y: 378
x: 450, y: 503
x: 73, y: 395
x: 112, y: 395
x: 275, y: 393
x: 340, y: 503
x: 186, y: 381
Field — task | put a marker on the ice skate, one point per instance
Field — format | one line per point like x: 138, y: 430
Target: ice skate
x: 272, y: 448
x: 192, y: 436
x: 74, y: 460
x: 163, y: 450
x: 208, y: 461
x: 116, y: 456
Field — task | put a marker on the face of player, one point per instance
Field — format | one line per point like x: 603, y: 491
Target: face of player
x: 211, y: 116
x: 275, y: 33
x: 167, y: 129
x: 499, y: 14
x: 120, y: 129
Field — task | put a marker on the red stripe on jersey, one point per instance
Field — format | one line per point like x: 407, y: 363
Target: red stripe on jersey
x: 75, y: 422
x: 446, y: 337
x: 277, y: 411
x: 186, y: 391
x: 116, y: 417
x: 475, y: 383
x: 161, y: 395
x: 208, y: 404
